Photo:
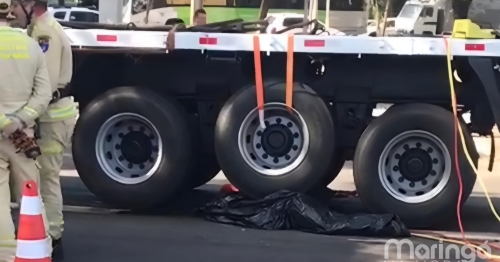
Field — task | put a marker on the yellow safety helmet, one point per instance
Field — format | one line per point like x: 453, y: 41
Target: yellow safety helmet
x: 5, y: 7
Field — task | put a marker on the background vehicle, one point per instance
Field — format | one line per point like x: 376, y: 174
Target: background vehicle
x: 422, y: 17
x: 280, y: 21
x: 389, y: 30
x: 74, y: 14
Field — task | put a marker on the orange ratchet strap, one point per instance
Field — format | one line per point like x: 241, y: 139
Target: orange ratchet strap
x: 289, y: 72
x: 258, y: 80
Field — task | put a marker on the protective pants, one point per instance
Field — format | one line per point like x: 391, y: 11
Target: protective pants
x: 20, y: 169
x: 55, y: 139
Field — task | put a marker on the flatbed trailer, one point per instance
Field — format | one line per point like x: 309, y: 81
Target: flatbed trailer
x: 155, y: 122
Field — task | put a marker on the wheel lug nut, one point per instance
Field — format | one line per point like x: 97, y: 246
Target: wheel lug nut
x: 278, y: 120
x: 151, y: 137
x: 267, y: 123
x: 117, y: 146
x: 142, y: 129
x: 295, y: 147
x: 121, y: 158
x: 130, y: 165
x: 397, y: 156
x: 130, y: 128
x: 435, y: 161
x: 395, y: 168
x: 430, y: 150
x: 287, y: 157
x: 424, y: 182
x: 433, y: 173
x: 259, y: 133
x: 412, y: 184
x: 419, y: 145
x: 296, y: 135
x: 401, y: 179
x: 289, y: 124
x: 121, y: 135
x: 258, y: 146
x: 151, y: 159
x: 265, y: 156
x: 406, y: 147
x: 276, y: 160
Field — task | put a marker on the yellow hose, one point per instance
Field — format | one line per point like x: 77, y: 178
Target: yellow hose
x: 471, y: 163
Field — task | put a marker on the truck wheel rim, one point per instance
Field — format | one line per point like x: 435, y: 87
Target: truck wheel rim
x: 278, y: 148
x: 414, y: 167
x: 129, y: 148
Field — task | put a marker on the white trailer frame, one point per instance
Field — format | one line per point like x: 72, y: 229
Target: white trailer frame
x: 99, y: 38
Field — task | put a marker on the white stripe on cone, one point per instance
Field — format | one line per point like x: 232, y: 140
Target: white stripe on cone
x: 31, y: 206
x: 33, y: 249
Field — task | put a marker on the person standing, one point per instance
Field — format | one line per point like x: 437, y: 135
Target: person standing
x: 26, y: 92
x: 58, y: 122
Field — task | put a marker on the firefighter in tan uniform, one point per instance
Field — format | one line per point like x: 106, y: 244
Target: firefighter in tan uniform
x: 57, y: 124
x: 25, y: 94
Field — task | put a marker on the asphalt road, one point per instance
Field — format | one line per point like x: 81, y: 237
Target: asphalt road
x: 172, y: 233
x: 132, y: 238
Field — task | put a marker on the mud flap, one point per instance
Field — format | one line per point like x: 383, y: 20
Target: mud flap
x: 489, y: 77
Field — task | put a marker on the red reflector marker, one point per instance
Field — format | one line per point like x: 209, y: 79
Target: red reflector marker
x: 208, y: 41
x: 475, y: 47
x: 107, y: 38
x: 314, y: 43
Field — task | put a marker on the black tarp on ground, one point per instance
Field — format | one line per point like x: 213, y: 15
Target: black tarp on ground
x: 286, y: 210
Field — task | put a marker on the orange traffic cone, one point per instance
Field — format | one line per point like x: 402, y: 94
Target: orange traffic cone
x: 32, y: 245
x: 228, y: 188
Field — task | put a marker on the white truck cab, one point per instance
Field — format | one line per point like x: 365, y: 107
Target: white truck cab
x: 421, y: 17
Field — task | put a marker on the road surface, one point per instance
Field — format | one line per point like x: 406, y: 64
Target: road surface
x: 173, y: 233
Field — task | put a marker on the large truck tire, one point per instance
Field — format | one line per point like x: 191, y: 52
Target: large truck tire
x: 293, y: 152
x: 133, y: 148
x: 404, y: 164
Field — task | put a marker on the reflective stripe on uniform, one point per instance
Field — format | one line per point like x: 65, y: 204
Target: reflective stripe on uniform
x: 63, y: 113
x: 50, y: 147
x: 8, y: 242
x: 4, y: 121
x: 13, y: 45
x: 31, y: 112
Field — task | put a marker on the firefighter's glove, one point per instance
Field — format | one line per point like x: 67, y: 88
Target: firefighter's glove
x: 16, y: 124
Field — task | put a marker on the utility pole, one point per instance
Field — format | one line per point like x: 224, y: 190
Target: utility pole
x: 195, y: 5
x: 327, y: 16
x: 264, y: 9
x: 149, y: 5
x: 386, y: 13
